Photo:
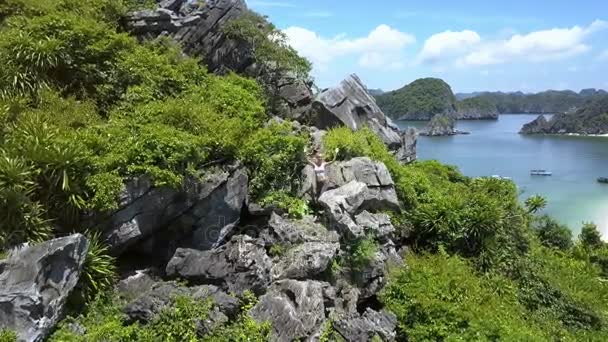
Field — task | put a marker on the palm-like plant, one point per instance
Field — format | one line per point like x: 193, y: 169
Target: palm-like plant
x: 23, y: 218
x: 535, y: 204
x: 99, y: 270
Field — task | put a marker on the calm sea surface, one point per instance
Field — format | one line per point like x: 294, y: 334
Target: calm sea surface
x: 495, y: 148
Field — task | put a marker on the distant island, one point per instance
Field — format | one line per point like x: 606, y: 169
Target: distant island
x: 590, y: 119
x: 425, y: 98
x: 546, y: 102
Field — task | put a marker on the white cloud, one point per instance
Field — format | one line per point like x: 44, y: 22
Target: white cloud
x: 447, y: 43
x: 468, y: 48
x: 382, y: 48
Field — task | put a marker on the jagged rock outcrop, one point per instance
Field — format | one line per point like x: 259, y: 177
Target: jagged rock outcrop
x: 357, y: 185
x: 351, y: 104
x: 35, y: 282
x: 241, y: 264
x: 296, y: 309
x: 163, y: 294
x: 371, y: 324
x: 540, y: 125
x: 305, y: 261
x: 201, y: 33
x: 282, y: 230
x: 441, y: 125
x: 155, y: 221
x: 589, y: 119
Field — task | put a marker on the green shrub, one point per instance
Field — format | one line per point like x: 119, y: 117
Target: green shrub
x: 244, y: 328
x: 8, y: 336
x: 552, y: 234
x: 441, y: 298
x: 363, y: 252
x: 99, y: 269
x: 275, y: 158
x: 295, y: 207
x: 590, y: 236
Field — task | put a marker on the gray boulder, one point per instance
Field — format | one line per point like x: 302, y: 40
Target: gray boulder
x: 241, y: 264
x: 35, y: 282
x: 377, y: 225
x: 373, y: 174
x: 373, y: 277
x: 158, y: 220
x: 350, y: 104
x: 287, y: 231
x: 163, y: 294
x: 135, y: 284
x: 343, y: 203
x: 407, y: 151
x: 294, y: 308
x: 305, y: 261
x: 372, y: 324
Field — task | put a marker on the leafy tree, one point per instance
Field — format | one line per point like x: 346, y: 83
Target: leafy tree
x: 553, y: 234
x: 590, y: 236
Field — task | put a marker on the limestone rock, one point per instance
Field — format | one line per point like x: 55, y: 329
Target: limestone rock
x: 284, y: 230
x: 155, y: 221
x: 35, y: 283
x: 294, y: 308
x: 241, y: 264
x: 540, y: 125
x: 365, y: 327
x: 305, y: 261
x: 377, y: 225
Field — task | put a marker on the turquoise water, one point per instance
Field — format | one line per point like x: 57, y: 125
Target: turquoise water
x: 495, y: 148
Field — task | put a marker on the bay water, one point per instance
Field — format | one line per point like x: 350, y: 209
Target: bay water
x: 494, y: 147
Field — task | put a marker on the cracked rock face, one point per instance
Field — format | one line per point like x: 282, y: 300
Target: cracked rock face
x: 372, y: 324
x: 296, y: 309
x: 240, y: 265
x: 200, y: 32
x: 351, y: 104
x: 35, y: 282
x: 156, y: 221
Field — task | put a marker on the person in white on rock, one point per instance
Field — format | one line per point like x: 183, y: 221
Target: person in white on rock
x: 318, y: 163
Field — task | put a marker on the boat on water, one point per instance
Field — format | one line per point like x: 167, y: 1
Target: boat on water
x: 603, y: 180
x: 541, y: 173
x: 500, y: 177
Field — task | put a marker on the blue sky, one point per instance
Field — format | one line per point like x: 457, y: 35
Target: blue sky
x: 474, y: 45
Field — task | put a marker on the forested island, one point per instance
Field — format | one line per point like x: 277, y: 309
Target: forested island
x: 159, y: 181
x: 425, y: 98
x: 546, y: 102
x: 590, y: 119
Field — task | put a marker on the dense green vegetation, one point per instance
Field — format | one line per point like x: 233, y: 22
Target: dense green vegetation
x: 550, y: 101
x: 104, y: 321
x: 483, y: 267
x: 85, y: 107
x: 476, y: 104
x: 419, y: 100
x: 590, y: 118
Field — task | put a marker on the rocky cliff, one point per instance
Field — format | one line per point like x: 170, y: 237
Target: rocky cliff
x: 590, y: 119
x: 419, y: 100
x: 441, y: 125
x: 201, y: 33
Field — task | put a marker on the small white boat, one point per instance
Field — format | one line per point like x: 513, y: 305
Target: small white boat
x: 541, y: 173
x: 500, y: 177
